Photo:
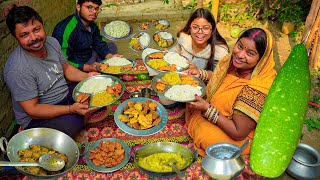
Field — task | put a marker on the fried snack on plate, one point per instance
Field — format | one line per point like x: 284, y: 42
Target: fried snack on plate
x: 140, y: 115
x: 83, y: 98
x: 157, y: 55
x: 108, y: 153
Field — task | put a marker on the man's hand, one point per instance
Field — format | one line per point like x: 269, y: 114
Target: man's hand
x: 113, y: 55
x: 81, y: 109
x: 90, y: 74
x: 93, y: 67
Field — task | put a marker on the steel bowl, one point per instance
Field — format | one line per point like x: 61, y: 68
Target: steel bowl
x: 305, y: 163
x: 51, y: 138
x: 160, y: 147
x: 217, y: 164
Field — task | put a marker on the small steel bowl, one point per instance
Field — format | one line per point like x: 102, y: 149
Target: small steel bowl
x: 135, y: 95
x: 305, y: 163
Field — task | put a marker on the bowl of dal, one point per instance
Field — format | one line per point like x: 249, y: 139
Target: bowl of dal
x: 160, y: 153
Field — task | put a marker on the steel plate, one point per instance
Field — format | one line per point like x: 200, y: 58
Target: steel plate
x: 161, y: 26
x: 134, y: 36
x: 157, y: 70
x: 115, y: 38
x: 146, y: 132
x: 133, y: 63
x: 158, y: 77
x: 114, y: 79
x: 149, y: 25
x: 103, y: 168
x: 166, y: 45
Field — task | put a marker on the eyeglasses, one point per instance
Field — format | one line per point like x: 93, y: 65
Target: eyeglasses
x: 92, y: 9
x: 205, y: 29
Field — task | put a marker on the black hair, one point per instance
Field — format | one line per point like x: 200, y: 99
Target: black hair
x: 215, y: 38
x: 259, y: 37
x: 98, y: 2
x: 21, y: 15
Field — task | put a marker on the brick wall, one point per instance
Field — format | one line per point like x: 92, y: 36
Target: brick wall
x: 51, y: 11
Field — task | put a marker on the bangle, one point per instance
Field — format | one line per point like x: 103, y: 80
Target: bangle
x: 203, y: 74
x: 212, y: 114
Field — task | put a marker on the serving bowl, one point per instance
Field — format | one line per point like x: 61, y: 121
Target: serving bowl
x: 305, y: 163
x: 160, y: 147
x: 218, y: 166
x: 48, y: 137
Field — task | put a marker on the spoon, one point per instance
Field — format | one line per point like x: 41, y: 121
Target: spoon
x: 172, y: 163
x: 50, y: 162
x: 244, y: 145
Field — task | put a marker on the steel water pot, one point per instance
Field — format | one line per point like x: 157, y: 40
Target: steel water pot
x: 217, y: 163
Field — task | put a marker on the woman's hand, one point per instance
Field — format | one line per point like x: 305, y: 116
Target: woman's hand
x: 199, y: 103
x: 194, y: 72
x: 81, y: 109
x: 192, y: 65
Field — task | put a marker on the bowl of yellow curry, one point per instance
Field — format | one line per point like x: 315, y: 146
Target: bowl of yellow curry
x: 154, y: 158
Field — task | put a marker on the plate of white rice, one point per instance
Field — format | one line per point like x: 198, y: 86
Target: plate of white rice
x: 177, y: 59
x: 183, y: 92
x: 98, y: 84
x: 179, y: 87
x: 116, y: 65
x: 117, y: 30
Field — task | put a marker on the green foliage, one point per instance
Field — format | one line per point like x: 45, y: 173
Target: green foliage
x: 111, y: 4
x: 194, y: 4
x: 282, y: 10
x: 237, y: 15
x: 165, y: 1
x: 292, y: 35
x: 191, y: 5
x: 312, y: 123
x: 316, y: 99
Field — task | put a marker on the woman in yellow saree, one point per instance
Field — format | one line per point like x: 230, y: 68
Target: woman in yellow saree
x: 236, y: 92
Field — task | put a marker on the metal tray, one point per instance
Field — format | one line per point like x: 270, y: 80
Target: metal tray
x: 157, y: 70
x: 115, y: 38
x: 146, y: 132
x: 103, y: 168
x: 137, y: 36
x: 145, y: 22
x: 166, y: 45
x: 161, y: 26
x: 158, y: 77
x: 115, y: 81
x: 133, y: 63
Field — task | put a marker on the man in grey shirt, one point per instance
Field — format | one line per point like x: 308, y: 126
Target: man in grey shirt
x: 36, y: 74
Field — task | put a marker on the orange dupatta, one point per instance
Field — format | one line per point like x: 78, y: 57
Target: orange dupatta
x: 227, y: 93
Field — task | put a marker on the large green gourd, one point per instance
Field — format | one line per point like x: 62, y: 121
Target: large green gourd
x: 281, y: 120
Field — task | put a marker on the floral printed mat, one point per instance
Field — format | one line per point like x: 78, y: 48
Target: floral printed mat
x: 102, y: 125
